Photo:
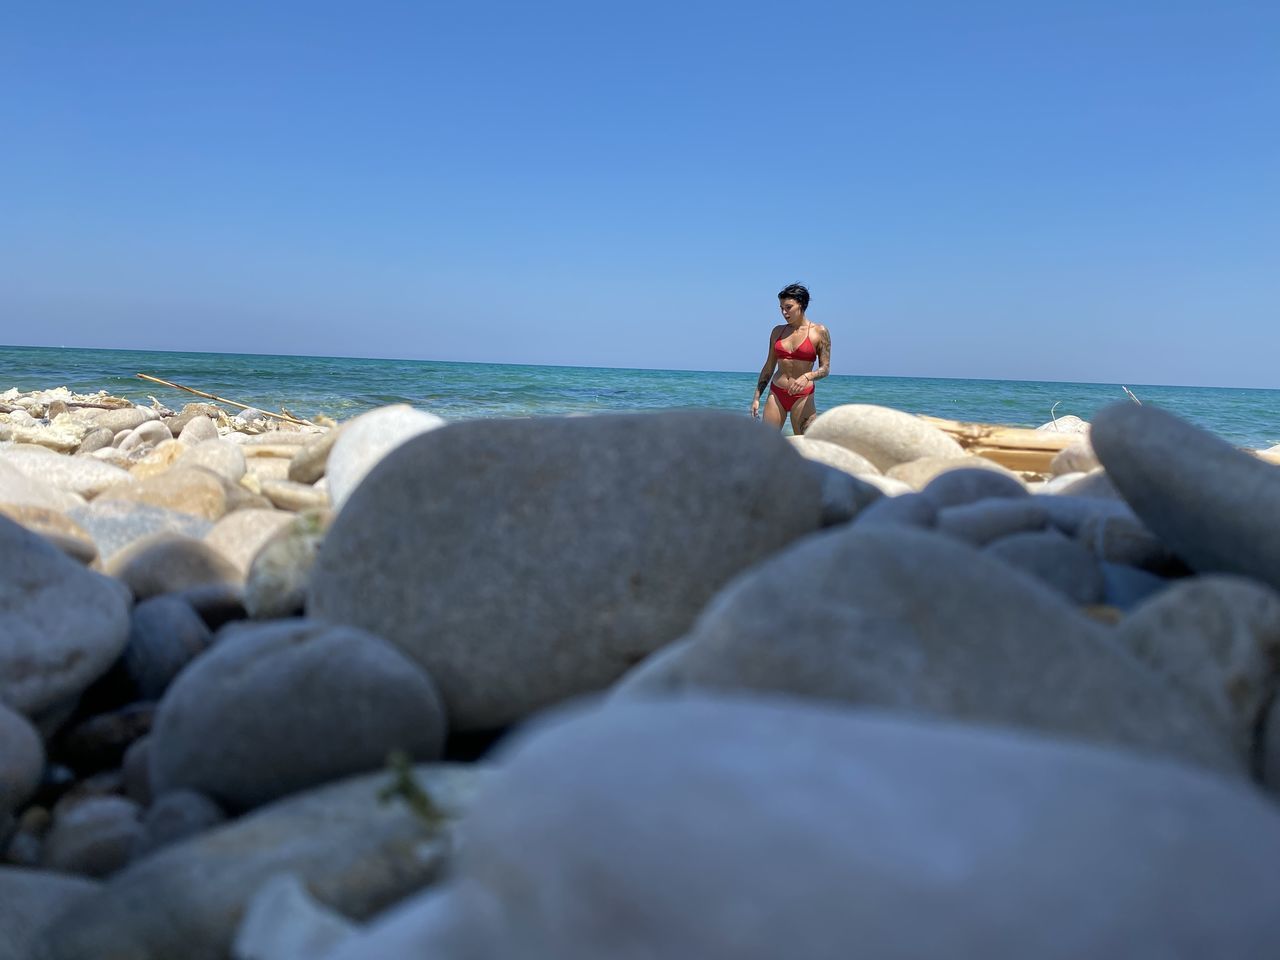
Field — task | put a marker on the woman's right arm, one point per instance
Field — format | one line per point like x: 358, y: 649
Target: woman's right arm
x: 766, y: 374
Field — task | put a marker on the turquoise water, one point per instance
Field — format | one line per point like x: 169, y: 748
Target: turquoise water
x: 341, y: 387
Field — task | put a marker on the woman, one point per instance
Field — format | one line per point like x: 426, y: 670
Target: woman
x: 793, y: 348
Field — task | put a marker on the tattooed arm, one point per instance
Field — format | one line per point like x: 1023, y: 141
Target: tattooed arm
x: 766, y: 374
x: 823, y: 346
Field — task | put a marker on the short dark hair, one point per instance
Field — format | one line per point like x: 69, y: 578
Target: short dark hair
x: 797, y: 292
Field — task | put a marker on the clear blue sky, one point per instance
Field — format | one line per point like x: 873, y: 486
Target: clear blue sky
x: 1068, y: 191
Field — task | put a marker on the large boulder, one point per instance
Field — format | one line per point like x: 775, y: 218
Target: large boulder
x: 525, y: 561
x: 275, y: 708
x: 1217, y: 507
x: 882, y: 435
x: 63, y: 625
x: 901, y: 618
x: 356, y: 851
x: 723, y: 829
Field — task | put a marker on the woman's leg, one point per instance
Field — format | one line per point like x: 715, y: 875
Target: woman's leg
x: 804, y: 411
x: 774, y: 415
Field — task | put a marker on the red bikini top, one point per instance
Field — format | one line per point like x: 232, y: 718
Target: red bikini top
x: 804, y: 351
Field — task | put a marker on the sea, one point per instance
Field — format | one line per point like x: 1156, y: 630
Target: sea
x: 341, y: 387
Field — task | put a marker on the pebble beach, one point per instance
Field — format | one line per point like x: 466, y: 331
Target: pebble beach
x: 662, y: 684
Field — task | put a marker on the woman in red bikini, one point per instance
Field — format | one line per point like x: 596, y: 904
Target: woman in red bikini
x: 793, y: 348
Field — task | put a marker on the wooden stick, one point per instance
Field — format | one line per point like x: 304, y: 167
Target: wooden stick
x: 233, y: 403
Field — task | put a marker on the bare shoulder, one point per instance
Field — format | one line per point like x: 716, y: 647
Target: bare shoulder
x: 822, y: 332
x: 778, y: 332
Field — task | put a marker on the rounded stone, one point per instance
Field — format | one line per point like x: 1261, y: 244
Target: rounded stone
x: 1123, y: 538
x: 154, y: 461
x: 188, y: 490
x: 882, y: 435
x: 983, y: 521
x: 1215, y: 506
x: 84, y: 476
x: 1070, y: 514
x: 98, y: 438
x: 309, y: 463
x: 135, y: 771
x: 833, y: 455
x: 1057, y: 560
x: 900, y: 618
x: 197, y: 430
x: 886, y: 485
x: 94, y: 836
x: 276, y: 584
x: 268, y: 468
x: 21, y: 760
x: 63, y: 625
x: 59, y: 529
x: 239, y: 536
x: 959, y: 842
x: 1095, y: 483
x: 274, y: 708
x: 288, y: 495
x: 844, y: 496
x: 1127, y: 587
x: 1217, y: 638
x: 905, y: 510
x: 167, y: 563
x: 1076, y: 458
x: 125, y: 418
x: 30, y: 900
x: 357, y: 853
x: 144, y: 435
x: 18, y: 489
x: 365, y: 440
x: 1068, y: 424
x: 222, y: 457
x: 98, y: 743
x: 967, y: 484
x: 175, y: 816
x: 164, y: 636
x: 115, y: 524
x: 580, y: 545
x: 919, y: 473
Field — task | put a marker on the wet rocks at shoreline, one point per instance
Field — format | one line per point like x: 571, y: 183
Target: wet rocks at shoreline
x: 218, y: 632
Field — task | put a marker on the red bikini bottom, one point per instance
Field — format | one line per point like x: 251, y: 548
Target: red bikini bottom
x: 788, y: 400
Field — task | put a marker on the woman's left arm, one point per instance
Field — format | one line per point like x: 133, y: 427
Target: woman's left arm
x: 824, y: 355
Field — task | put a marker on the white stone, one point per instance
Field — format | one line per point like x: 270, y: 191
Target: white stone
x: 882, y: 435
x: 833, y: 455
x: 84, y: 476
x: 365, y: 440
